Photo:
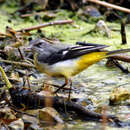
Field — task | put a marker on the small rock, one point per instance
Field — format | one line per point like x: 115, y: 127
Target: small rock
x: 118, y: 95
x: 30, y: 122
x: 89, y: 13
x: 7, y: 114
x: 49, y: 114
x: 92, y: 11
x: 29, y: 119
x: 35, y: 127
x: 102, y: 27
x: 17, y: 125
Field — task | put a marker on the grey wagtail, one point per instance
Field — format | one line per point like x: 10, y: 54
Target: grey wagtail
x: 58, y: 60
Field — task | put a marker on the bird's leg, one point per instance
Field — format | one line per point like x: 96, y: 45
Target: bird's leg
x: 70, y: 89
x: 57, y: 86
x: 66, y: 82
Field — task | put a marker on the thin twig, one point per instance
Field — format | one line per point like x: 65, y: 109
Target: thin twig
x: 121, y: 57
x: 28, y: 15
x: 57, y: 86
x: 112, y: 62
x: 22, y: 57
x: 45, y: 25
x: 110, y: 5
x: 18, y: 63
x: 32, y: 14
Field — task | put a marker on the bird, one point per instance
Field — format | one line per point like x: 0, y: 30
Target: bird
x: 65, y: 61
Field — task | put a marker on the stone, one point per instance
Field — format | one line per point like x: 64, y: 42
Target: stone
x: 16, y: 125
x: 49, y: 114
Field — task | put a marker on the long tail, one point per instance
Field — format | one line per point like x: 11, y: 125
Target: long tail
x: 110, y: 53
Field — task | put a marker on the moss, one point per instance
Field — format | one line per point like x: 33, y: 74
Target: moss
x: 66, y: 33
x: 99, y: 79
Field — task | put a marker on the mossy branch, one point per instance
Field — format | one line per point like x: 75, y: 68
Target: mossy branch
x: 8, y: 84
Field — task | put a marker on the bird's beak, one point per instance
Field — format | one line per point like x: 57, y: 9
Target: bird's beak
x: 28, y: 49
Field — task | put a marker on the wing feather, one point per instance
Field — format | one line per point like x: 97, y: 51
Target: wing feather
x: 69, y: 53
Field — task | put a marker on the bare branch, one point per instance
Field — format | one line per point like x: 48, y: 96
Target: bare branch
x: 45, y: 25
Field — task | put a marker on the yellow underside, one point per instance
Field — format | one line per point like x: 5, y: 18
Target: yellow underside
x: 89, y: 59
x: 80, y: 64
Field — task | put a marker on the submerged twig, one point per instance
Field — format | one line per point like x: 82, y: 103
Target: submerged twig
x: 46, y: 24
x: 125, y: 70
x: 31, y: 100
x: 112, y: 62
x: 57, y: 86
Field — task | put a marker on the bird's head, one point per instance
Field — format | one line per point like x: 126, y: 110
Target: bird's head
x: 37, y: 46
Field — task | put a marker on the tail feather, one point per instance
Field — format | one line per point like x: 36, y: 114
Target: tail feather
x: 110, y: 53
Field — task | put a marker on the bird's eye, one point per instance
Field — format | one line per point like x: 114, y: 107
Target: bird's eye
x: 38, y: 44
